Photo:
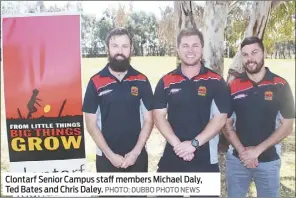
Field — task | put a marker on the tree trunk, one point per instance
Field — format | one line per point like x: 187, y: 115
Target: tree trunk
x: 183, y: 17
x: 256, y: 27
x: 214, y: 18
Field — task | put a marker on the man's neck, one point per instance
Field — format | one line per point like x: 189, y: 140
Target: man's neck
x: 190, y: 71
x: 258, y: 76
x: 118, y: 75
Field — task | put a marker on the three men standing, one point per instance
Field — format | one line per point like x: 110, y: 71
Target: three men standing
x: 190, y: 106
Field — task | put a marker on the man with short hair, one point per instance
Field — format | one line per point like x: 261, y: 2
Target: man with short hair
x: 263, y: 115
x: 117, y: 106
x: 196, y: 102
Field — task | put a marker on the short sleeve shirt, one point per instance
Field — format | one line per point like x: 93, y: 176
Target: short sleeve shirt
x: 119, y: 105
x: 191, y: 103
x: 257, y: 109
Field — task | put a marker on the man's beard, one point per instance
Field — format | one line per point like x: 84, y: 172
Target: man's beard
x: 257, y: 69
x: 119, y: 65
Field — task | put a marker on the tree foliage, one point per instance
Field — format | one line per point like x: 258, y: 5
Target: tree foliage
x: 154, y: 36
x: 280, y: 30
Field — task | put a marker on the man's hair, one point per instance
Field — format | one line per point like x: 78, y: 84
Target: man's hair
x: 251, y: 40
x: 190, y: 32
x: 118, y: 32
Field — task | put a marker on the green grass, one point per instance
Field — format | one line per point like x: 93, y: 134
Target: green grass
x: 154, y: 68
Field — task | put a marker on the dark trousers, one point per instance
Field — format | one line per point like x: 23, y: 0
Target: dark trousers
x: 141, y: 165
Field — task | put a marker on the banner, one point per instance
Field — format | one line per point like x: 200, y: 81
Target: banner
x: 43, y: 93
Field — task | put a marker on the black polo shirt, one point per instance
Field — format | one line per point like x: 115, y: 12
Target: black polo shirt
x: 257, y: 109
x: 119, y: 106
x: 190, y: 104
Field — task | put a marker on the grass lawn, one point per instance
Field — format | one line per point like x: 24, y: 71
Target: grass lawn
x: 154, y: 68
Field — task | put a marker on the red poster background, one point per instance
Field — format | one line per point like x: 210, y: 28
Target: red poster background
x: 42, y: 52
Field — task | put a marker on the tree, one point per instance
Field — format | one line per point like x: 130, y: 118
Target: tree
x: 212, y: 26
x: 121, y: 16
x: 256, y: 27
x: 165, y: 29
x: 183, y: 17
x: 280, y: 27
x: 10, y: 8
x: 236, y: 24
x: 142, y: 27
x: 214, y: 18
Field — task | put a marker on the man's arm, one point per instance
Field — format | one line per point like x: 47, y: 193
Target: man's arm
x: 164, y: 126
x: 161, y: 122
x: 90, y: 106
x: 166, y: 130
x: 231, y: 136
x: 212, y: 129
x: 287, y: 111
x: 282, y: 132
x: 146, y: 106
x: 219, y: 109
x: 160, y: 101
x: 96, y: 134
x: 145, y: 132
x: 132, y: 156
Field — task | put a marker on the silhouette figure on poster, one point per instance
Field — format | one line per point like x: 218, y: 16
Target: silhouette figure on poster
x: 31, y: 104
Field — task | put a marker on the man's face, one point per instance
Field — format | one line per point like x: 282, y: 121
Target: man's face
x: 190, y: 50
x: 252, y: 58
x: 119, y: 53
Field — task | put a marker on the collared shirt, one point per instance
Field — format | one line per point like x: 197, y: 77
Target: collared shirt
x: 191, y: 103
x: 257, y: 110
x: 119, y: 106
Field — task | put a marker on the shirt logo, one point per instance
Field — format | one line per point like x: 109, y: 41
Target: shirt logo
x: 268, y: 95
x: 105, y: 92
x: 202, y: 91
x: 239, y: 96
x: 134, y: 91
x: 173, y: 91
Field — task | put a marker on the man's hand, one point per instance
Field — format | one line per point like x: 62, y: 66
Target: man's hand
x: 184, y: 148
x: 251, y: 153
x: 251, y: 163
x: 116, y: 160
x: 129, y: 159
x: 188, y: 157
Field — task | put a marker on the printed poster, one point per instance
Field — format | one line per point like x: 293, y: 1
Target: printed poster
x: 43, y: 93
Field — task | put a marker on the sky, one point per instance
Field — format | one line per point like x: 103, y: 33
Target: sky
x: 97, y: 7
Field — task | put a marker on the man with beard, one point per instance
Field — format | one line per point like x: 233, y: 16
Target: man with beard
x: 196, y: 102
x: 263, y: 113
x: 118, y: 109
